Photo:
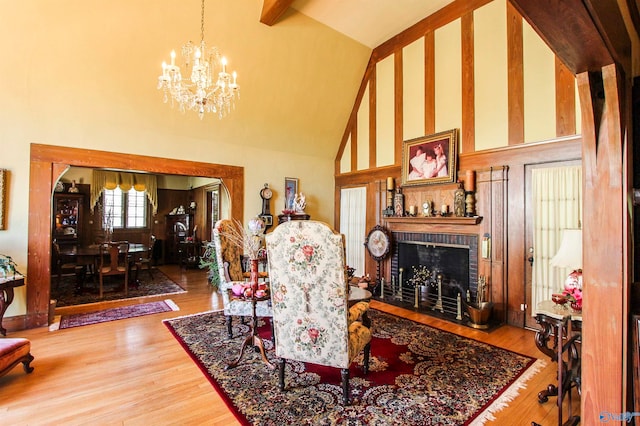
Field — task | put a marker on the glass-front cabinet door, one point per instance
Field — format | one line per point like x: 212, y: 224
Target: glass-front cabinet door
x: 67, y: 218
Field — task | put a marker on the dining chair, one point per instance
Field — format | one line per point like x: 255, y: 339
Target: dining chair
x: 312, y: 320
x: 146, y: 260
x: 230, y: 273
x: 114, y: 261
x: 61, y: 265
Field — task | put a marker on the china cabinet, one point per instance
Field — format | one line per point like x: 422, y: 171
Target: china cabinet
x: 67, y: 218
x: 179, y: 229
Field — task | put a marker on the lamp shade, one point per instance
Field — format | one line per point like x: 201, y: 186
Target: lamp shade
x: 569, y: 254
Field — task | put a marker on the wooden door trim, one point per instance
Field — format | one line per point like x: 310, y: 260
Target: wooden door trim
x: 46, y: 165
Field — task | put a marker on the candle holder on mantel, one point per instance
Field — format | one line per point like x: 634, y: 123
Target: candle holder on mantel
x: 470, y: 210
x: 390, y: 189
x: 469, y: 190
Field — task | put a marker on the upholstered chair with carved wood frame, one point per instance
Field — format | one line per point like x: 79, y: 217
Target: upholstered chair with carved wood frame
x: 230, y: 272
x: 312, y: 321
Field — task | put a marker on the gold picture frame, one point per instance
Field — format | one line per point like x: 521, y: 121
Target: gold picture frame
x: 430, y: 159
x: 3, y: 191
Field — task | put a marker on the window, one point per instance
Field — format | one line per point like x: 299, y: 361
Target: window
x: 126, y: 209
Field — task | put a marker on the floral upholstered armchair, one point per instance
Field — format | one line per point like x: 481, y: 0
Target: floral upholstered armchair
x: 312, y: 321
x: 230, y: 271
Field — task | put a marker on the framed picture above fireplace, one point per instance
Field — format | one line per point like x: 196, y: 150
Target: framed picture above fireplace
x: 430, y: 159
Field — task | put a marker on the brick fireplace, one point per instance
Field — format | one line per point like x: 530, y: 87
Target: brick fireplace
x: 446, y: 252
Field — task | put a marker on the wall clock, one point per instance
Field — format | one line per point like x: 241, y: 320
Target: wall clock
x: 266, y: 194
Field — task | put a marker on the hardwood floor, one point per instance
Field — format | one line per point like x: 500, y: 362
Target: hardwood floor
x: 134, y: 372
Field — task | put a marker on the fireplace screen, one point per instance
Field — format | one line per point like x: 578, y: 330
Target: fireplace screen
x: 433, y: 273
x: 451, y: 261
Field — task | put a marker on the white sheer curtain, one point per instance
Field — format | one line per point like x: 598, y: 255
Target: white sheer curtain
x: 353, y: 214
x: 557, y: 205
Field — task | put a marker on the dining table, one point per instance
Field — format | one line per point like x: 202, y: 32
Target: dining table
x: 88, y: 257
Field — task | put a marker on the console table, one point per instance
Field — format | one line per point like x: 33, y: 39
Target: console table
x: 6, y: 295
x: 562, y: 326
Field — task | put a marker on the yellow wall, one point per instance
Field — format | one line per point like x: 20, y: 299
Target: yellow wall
x: 490, y: 59
x: 385, y: 116
x: 539, y: 73
x: 448, y: 77
x: 363, y: 135
x: 83, y: 73
x: 413, y: 90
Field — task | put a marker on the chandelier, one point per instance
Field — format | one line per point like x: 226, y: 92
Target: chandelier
x: 200, y: 92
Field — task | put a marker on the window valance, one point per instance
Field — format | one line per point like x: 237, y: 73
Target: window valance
x: 103, y: 179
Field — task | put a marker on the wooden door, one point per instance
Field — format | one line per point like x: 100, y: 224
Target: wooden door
x: 529, y: 251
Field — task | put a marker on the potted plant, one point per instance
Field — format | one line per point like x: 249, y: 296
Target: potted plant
x: 209, y: 260
x: 8, y: 266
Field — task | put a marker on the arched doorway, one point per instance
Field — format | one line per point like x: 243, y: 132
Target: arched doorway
x: 48, y: 163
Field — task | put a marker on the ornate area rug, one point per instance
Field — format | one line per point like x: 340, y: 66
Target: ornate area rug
x: 113, y: 314
x: 418, y: 375
x: 66, y: 294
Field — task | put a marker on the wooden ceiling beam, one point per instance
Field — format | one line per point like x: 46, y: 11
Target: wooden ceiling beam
x: 272, y: 10
x: 580, y: 41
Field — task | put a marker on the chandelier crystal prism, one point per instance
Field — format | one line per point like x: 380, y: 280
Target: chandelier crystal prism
x: 200, y: 92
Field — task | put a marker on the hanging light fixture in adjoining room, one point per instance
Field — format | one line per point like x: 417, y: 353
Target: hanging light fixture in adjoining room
x: 200, y: 92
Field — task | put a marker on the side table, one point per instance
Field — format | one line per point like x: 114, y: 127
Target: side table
x: 253, y: 339
x: 293, y: 216
x: 6, y: 295
x: 562, y: 326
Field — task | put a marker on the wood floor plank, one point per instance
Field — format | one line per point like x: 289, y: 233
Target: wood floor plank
x: 133, y: 371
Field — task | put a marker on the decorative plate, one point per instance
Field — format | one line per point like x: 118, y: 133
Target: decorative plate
x: 378, y: 243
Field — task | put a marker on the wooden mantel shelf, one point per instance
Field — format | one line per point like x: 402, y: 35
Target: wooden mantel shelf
x: 434, y: 220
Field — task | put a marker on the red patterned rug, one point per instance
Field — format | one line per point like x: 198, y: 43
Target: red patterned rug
x: 113, y: 314
x: 418, y: 375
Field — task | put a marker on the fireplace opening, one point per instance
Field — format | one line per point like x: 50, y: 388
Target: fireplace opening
x: 433, y: 273
x: 448, y: 260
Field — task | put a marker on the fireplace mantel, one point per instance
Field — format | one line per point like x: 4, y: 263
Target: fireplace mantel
x: 447, y: 224
x: 434, y: 220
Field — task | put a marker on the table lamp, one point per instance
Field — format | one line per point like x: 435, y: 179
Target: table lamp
x: 569, y: 255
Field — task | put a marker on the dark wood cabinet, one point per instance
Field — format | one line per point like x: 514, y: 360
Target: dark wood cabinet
x: 177, y: 229
x: 293, y: 216
x: 67, y: 218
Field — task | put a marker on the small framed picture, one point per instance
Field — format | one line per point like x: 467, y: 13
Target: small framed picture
x: 430, y: 159
x: 290, y: 191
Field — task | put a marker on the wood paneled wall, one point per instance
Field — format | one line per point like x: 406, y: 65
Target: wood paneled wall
x: 502, y: 200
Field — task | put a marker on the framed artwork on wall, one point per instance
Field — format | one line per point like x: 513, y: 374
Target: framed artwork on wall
x: 290, y: 191
x: 430, y: 159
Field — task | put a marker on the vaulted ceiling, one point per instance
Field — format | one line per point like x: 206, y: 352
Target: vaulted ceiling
x: 368, y: 22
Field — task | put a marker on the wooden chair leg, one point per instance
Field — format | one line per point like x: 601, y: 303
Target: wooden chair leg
x: 281, y: 365
x: 344, y: 372
x: 229, y: 326
x: 367, y: 353
x: 26, y: 363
